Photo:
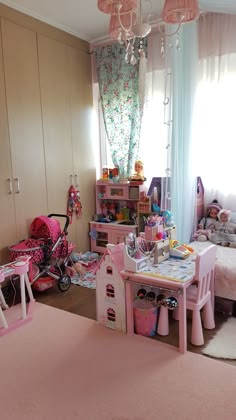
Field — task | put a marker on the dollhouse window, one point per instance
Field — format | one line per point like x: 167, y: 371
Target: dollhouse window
x: 109, y: 270
x: 110, y: 291
x: 111, y: 315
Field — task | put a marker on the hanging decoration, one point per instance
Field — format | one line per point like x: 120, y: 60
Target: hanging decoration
x: 74, y: 204
x: 128, y: 25
x: 168, y: 122
x: 130, y: 21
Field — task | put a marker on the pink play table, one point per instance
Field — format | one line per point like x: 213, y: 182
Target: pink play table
x: 142, y: 279
x: 9, y: 318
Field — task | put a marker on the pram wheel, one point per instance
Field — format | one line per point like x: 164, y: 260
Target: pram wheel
x: 64, y: 283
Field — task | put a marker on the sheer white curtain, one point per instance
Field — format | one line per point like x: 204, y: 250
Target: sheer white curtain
x: 153, y: 139
x: 214, y: 117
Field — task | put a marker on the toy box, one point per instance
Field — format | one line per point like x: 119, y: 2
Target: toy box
x: 151, y: 232
x: 134, y: 264
x: 162, y: 251
x: 144, y: 206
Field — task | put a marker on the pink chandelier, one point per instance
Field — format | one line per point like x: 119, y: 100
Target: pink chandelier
x: 180, y: 11
x: 127, y: 21
x: 111, y: 7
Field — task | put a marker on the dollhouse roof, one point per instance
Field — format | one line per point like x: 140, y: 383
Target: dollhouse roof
x: 155, y: 182
x: 116, y: 253
x: 200, y: 188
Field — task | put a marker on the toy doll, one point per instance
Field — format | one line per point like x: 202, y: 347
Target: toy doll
x: 225, y: 234
x: 225, y: 224
x: 211, y: 220
x: 209, y: 223
x: 138, y: 175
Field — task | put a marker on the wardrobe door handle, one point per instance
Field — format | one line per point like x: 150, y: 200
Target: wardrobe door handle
x: 71, y: 179
x: 17, y: 185
x: 10, y: 185
x: 76, y: 180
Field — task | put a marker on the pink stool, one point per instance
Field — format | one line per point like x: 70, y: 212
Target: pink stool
x: 21, y: 268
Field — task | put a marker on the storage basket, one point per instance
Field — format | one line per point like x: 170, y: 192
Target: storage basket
x: 145, y: 318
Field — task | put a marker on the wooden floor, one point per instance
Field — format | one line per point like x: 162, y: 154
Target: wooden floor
x: 82, y: 301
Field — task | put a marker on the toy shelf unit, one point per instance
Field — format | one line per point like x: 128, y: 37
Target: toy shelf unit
x: 103, y: 234
x: 116, y: 213
x: 110, y: 195
x: 156, y: 200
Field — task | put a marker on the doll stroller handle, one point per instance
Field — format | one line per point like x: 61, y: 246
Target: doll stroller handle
x: 65, y: 217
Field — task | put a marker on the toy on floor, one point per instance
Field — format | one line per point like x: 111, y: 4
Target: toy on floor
x: 82, y: 262
x: 77, y: 269
x: 86, y: 259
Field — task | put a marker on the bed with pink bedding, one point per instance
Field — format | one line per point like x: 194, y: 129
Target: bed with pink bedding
x: 225, y: 270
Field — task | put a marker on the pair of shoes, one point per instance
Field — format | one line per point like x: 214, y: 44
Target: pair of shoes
x: 224, y: 243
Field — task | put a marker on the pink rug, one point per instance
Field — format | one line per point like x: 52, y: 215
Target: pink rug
x: 62, y: 366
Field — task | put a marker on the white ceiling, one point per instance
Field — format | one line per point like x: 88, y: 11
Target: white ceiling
x: 83, y: 19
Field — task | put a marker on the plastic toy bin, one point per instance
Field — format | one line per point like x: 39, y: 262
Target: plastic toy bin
x: 145, y: 318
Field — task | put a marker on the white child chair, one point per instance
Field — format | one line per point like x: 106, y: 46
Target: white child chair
x: 201, y: 295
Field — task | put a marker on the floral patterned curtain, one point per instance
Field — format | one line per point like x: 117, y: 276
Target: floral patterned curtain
x: 119, y: 92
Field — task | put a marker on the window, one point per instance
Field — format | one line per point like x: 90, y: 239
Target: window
x: 153, y: 139
x: 110, y: 291
x: 111, y: 315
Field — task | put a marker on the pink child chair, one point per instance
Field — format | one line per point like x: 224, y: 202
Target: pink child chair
x: 201, y: 295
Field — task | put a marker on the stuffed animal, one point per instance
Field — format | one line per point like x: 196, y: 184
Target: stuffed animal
x: 201, y: 235
x: 168, y: 218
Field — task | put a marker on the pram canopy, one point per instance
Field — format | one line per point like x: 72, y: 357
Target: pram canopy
x: 44, y: 227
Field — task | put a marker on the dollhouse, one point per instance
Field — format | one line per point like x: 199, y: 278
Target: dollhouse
x: 199, y: 203
x: 110, y: 291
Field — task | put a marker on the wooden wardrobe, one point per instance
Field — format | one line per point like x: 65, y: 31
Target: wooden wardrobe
x: 45, y: 127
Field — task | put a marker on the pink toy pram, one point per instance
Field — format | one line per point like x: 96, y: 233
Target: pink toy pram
x: 49, y: 250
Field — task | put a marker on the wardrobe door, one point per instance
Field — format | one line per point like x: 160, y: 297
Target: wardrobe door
x: 53, y: 68
x: 81, y: 111
x: 25, y: 124
x: 7, y: 223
